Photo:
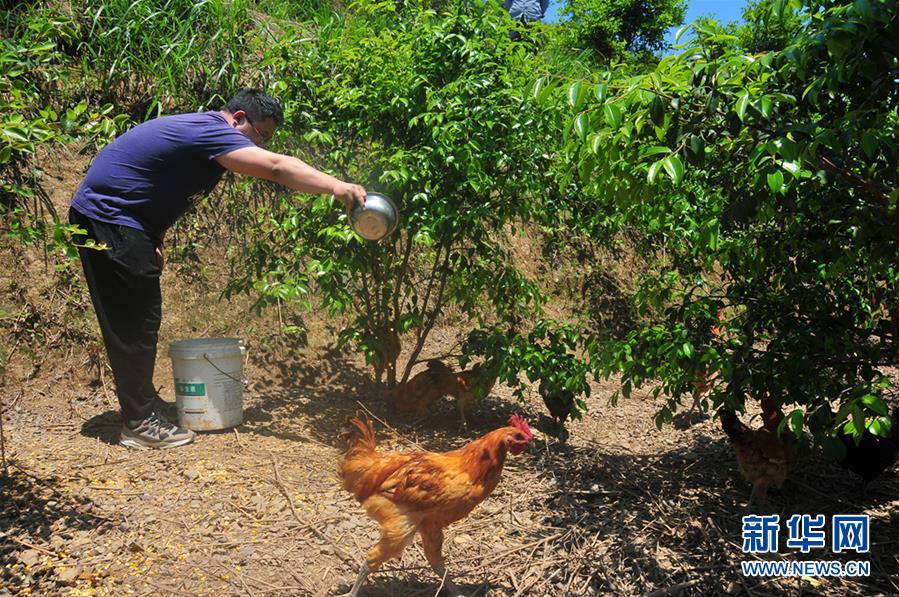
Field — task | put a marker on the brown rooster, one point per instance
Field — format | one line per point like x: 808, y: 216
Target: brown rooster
x: 420, y: 393
x: 422, y: 492
x: 764, y: 457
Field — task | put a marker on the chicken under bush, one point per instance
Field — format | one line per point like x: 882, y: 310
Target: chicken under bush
x: 763, y: 456
x: 873, y: 454
x: 420, y: 393
x: 560, y: 403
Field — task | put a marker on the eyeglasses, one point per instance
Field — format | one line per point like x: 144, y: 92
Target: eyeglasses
x: 264, y: 140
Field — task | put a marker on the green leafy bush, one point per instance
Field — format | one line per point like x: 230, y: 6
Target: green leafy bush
x: 429, y: 108
x: 622, y: 29
x: 769, y: 183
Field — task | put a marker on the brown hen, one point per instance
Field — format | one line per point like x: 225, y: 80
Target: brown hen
x: 471, y: 387
x: 763, y: 456
x: 419, y: 394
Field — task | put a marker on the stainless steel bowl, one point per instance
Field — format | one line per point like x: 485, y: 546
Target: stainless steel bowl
x: 379, y: 218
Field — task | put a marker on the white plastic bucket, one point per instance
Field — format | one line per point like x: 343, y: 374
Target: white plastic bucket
x: 208, y: 376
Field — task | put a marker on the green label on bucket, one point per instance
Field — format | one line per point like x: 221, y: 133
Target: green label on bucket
x: 190, y: 388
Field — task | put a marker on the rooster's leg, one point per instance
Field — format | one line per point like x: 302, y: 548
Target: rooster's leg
x: 393, y: 542
x: 363, y: 574
x: 464, y: 426
x: 432, y: 541
x: 758, y: 495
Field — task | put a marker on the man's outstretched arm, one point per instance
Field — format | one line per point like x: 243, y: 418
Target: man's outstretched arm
x: 291, y: 172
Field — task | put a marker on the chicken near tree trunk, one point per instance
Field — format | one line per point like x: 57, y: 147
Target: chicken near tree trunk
x: 764, y: 457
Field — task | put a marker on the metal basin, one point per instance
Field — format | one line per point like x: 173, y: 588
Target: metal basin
x: 379, y: 218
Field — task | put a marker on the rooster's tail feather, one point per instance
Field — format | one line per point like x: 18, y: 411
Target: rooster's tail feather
x: 731, y: 424
x: 360, y: 433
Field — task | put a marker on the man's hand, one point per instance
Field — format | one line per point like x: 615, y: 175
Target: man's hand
x: 160, y: 257
x: 350, y: 194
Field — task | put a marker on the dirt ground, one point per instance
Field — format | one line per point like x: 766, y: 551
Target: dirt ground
x: 622, y: 508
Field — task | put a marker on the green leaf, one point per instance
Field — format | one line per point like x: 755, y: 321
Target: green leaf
x: 740, y: 106
x: 674, y: 167
x: 793, y: 168
x: 863, y: 7
x: 714, y: 229
x: 777, y: 8
x: 697, y: 145
x: 423, y: 237
x: 796, y: 420
x: 869, y: 144
x: 16, y: 134
x: 663, y: 416
x: 765, y: 107
x: 653, y: 150
x: 612, y: 114
x: 875, y: 427
x: 600, y: 90
x: 858, y: 420
x: 576, y: 95
x: 695, y: 151
x: 875, y: 404
x: 657, y: 111
x: 581, y: 126
x: 539, y: 85
x: 653, y: 171
x: 688, y: 350
x: 775, y: 181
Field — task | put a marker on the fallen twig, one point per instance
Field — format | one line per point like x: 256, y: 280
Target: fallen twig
x: 16, y: 399
x: 512, y: 550
x: 304, y: 523
x: 34, y: 547
x: 106, y: 463
x: 165, y: 590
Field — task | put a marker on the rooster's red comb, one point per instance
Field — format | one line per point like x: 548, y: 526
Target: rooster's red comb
x: 517, y: 421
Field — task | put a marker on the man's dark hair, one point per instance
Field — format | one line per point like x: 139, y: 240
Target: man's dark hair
x: 257, y: 104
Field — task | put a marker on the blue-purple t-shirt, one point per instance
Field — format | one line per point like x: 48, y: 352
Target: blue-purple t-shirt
x: 147, y: 177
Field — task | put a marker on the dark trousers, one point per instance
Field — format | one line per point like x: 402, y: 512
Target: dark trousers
x: 124, y: 286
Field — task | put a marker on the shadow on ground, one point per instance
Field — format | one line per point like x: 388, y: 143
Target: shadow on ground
x: 673, y: 520
x: 106, y: 427
x: 37, y: 522
x: 311, y: 398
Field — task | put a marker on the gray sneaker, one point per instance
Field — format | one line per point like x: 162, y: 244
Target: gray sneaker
x: 154, y: 432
